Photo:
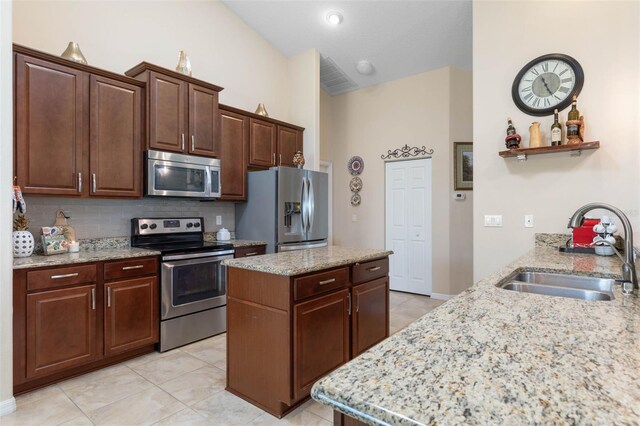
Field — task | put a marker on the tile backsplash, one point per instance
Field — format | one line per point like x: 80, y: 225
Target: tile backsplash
x: 100, y: 218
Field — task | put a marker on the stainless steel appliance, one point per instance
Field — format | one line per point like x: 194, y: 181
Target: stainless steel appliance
x: 192, y: 278
x: 178, y: 175
x: 287, y: 208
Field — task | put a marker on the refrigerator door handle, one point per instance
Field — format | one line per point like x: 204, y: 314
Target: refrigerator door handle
x: 303, y: 202
x: 311, y: 203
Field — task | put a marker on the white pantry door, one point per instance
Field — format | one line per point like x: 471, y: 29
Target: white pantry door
x: 408, y: 224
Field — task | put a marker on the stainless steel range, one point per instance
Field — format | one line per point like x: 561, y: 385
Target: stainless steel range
x: 192, y: 278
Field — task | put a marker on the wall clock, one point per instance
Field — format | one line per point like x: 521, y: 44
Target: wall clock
x: 547, y: 83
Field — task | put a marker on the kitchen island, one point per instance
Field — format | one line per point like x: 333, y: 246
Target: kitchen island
x: 293, y: 317
x: 493, y: 356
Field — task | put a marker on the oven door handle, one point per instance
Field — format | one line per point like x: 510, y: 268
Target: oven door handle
x: 217, y: 255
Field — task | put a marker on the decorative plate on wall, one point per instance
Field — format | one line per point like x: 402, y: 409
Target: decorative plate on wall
x: 355, y: 165
x: 355, y: 199
x: 356, y: 184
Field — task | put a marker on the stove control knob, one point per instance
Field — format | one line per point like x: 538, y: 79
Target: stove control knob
x: 189, y: 225
x: 153, y: 226
x: 144, y: 226
x: 197, y: 224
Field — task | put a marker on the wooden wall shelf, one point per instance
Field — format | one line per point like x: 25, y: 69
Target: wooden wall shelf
x: 522, y: 153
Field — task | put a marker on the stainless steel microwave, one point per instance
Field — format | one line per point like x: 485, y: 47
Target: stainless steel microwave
x: 179, y: 175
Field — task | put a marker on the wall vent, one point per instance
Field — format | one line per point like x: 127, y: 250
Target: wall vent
x: 333, y: 79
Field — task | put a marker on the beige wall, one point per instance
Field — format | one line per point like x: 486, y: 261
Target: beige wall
x: 7, y: 403
x: 117, y: 35
x: 304, y: 95
x: 506, y: 35
x: 368, y: 122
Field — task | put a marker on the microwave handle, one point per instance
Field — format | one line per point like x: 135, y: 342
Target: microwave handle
x: 208, y: 189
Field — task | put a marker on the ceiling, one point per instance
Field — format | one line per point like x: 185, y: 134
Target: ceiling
x: 400, y: 38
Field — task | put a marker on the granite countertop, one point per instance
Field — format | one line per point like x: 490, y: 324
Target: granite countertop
x: 247, y: 243
x: 303, y: 261
x: 492, y: 356
x: 36, y: 261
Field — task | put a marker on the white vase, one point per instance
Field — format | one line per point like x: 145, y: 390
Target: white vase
x: 23, y: 244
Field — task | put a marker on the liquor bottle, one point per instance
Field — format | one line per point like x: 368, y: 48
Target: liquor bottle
x: 510, y: 129
x: 573, y: 127
x: 556, y: 130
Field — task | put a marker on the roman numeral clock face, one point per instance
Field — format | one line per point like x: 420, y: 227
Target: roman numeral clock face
x: 547, y: 83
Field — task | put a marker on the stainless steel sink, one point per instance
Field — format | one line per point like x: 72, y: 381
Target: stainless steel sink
x: 560, y: 285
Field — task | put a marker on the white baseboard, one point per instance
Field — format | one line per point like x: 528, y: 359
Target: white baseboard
x: 7, y: 406
x: 441, y: 296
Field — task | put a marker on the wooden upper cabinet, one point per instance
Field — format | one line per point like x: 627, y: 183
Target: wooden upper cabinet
x: 50, y: 127
x: 233, y: 149
x: 370, y: 323
x: 262, y: 143
x: 167, y: 113
x: 204, y: 122
x: 61, y: 330
x: 321, y: 339
x: 289, y: 141
x: 115, y: 144
x: 131, y: 318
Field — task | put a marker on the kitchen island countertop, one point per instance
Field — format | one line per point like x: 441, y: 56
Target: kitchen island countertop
x: 493, y: 356
x: 299, y: 262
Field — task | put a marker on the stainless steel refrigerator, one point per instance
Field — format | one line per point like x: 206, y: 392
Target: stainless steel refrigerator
x: 287, y: 208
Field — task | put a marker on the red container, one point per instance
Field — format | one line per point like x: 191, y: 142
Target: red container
x: 583, y: 236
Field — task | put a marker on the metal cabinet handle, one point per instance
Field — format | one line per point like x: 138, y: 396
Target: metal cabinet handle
x: 127, y: 268
x: 183, y: 141
x: 280, y: 159
x: 349, y: 303
x: 332, y: 280
x: 79, y: 182
x: 57, y: 277
x: 94, y: 182
x: 373, y: 269
x: 193, y: 143
x: 93, y: 299
x: 108, y: 297
x: 274, y: 159
x: 253, y: 253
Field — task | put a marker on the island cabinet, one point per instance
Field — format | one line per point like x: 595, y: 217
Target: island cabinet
x: 72, y: 319
x: 182, y: 112
x: 78, y: 129
x: 286, y: 332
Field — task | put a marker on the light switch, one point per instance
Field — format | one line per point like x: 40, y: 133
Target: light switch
x: 218, y: 220
x: 528, y: 221
x: 493, y: 220
x: 354, y: 217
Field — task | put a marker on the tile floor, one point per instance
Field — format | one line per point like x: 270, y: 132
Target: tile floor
x: 184, y: 386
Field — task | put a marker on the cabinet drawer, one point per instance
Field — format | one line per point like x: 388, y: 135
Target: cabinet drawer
x: 60, y: 277
x: 367, y: 271
x: 320, y: 283
x: 250, y: 251
x: 130, y: 268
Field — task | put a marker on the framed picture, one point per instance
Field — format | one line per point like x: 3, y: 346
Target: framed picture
x: 463, y: 166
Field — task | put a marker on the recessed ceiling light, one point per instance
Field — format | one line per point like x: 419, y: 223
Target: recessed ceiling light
x: 364, y: 67
x: 334, y: 18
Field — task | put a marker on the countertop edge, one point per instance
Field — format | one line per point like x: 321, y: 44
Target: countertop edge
x: 84, y: 257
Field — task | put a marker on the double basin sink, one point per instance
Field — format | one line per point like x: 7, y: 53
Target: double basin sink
x: 560, y: 285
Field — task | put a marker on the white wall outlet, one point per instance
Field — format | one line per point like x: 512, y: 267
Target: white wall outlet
x: 218, y: 220
x: 493, y: 220
x: 354, y: 217
x: 528, y: 221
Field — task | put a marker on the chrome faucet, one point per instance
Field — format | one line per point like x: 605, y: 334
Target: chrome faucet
x: 629, y: 275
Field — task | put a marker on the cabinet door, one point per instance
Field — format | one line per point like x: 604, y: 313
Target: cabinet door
x: 289, y: 141
x: 50, y: 127
x: 131, y: 314
x: 204, y: 122
x: 262, y: 143
x: 115, y: 152
x: 370, y: 315
x: 167, y: 113
x: 61, y: 329
x: 321, y: 339
x: 233, y: 163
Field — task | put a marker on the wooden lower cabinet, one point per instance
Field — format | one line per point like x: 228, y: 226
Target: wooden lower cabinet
x: 285, y: 333
x: 131, y: 317
x: 250, y: 251
x: 61, y: 329
x: 321, y: 339
x: 340, y: 419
